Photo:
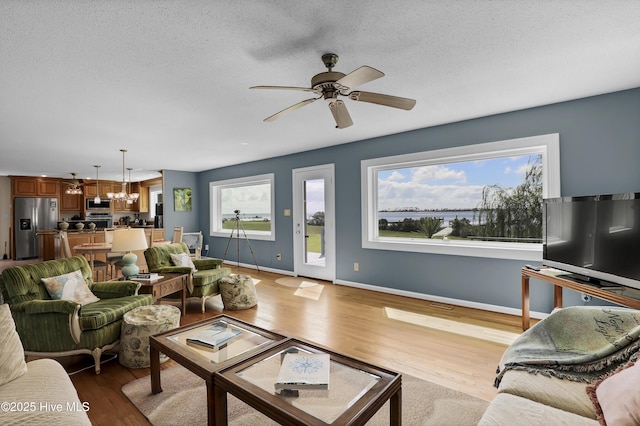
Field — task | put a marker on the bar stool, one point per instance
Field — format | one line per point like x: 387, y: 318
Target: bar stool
x: 113, y: 259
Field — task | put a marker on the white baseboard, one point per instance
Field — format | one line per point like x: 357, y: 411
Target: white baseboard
x: 440, y: 299
x: 422, y: 296
x: 232, y: 265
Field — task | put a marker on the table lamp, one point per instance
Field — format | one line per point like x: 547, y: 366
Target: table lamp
x: 128, y: 240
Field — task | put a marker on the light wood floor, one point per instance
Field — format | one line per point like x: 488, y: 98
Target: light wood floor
x: 412, y: 336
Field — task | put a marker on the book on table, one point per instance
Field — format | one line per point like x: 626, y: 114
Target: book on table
x: 150, y: 276
x: 215, y: 337
x: 304, y: 371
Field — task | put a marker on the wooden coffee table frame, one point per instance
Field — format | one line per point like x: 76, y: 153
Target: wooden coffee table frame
x: 389, y: 387
x: 195, y: 362
x: 169, y: 284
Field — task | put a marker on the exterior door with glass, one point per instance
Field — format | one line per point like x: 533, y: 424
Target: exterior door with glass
x: 314, y: 222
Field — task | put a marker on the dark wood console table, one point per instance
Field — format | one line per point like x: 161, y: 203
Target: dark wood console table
x: 611, y: 293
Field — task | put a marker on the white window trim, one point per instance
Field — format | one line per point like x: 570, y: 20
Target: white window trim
x: 546, y: 145
x: 215, y: 205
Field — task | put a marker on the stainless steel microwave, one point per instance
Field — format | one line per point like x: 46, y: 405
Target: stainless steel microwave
x: 104, y: 204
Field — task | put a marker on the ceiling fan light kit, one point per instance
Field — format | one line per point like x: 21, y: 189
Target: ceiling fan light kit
x: 330, y: 84
x: 73, y: 186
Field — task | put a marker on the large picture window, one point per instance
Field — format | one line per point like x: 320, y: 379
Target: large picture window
x: 479, y: 200
x: 245, y: 204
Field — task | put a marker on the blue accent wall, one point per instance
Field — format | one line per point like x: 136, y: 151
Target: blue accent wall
x: 599, y: 148
x: 190, y: 221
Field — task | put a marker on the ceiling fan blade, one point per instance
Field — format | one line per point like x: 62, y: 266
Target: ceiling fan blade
x: 340, y: 114
x: 385, y: 100
x: 362, y: 75
x: 289, y: 109
x: 304, y: 89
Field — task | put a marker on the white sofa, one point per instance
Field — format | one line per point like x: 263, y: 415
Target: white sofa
x: 38, y: 392
x: 529, y: 399
x: 596, y: 350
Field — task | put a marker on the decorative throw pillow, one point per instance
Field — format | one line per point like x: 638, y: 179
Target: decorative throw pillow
x: 70, y: 286
x: 183, y: 259
x: 616, y: 398
x: 12, y: 363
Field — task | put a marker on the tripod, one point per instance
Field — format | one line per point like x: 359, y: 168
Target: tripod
x: 237, y: 231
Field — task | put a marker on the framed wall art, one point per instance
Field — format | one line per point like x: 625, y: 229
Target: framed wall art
x: 182, y: 199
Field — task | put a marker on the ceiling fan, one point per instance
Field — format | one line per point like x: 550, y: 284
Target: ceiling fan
x: 331, y: 84
x: 74, y: 186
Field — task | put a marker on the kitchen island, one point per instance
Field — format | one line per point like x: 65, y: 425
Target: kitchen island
x: 49, y: 246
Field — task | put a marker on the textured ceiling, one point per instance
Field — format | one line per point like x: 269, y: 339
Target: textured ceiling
x: 169, y: 80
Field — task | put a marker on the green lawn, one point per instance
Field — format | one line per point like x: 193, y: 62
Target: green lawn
x: 313, y: 242
x: 249, y: 225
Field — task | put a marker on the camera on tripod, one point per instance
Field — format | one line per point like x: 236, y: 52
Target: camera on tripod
x: 239, y: 226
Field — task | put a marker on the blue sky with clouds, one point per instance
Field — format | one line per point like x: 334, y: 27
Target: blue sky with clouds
x: 251, y: 199
x: 452, y: 185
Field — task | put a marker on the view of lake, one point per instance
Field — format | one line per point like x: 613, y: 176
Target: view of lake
x: 248, y: 217
x: 390, y: 216
x: 447, y: 215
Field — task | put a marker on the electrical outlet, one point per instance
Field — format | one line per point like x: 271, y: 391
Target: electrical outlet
x: 279, y: 256
x: 206, y: 247
x: 356, y: 266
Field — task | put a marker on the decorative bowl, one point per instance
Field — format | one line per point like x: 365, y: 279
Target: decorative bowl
x: 79, y: 225
x: 63, y: 226
x: 92, y: 226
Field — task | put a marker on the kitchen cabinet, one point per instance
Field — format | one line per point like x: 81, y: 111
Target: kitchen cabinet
x: 35, y: 187
x: 122, y: 206
x: 70, y: 202
x: 48, y: 187
x: 143, y: 201
x: 104, y: 187
x: 47, y: 246
x: 90, y: 190
x: 25, y: 186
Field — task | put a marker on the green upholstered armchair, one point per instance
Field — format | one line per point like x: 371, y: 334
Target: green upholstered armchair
x: 202, y: 284
x: 53, y: 328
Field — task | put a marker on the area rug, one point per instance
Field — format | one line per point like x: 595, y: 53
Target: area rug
x: 296, y: 282
x: 183, y: 401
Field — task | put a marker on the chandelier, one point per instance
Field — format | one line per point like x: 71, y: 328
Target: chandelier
x: 130, y: 198
x: 73, y: 186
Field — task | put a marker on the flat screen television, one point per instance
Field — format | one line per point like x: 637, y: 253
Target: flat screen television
x: 595, y: 237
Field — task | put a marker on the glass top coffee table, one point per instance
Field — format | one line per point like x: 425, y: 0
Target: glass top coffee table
x: 203, y: 361
x: 356, y: 391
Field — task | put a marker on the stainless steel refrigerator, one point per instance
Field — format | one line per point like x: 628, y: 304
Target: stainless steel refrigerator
x: 32, y: 215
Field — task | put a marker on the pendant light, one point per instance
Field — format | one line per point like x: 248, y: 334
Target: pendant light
x: 97, y: 199
x: 133, y: 196
x: 123, y: 195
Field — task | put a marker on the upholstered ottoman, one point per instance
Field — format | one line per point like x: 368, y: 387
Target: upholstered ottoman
x: 140, y: 323
x: 238, y: 292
